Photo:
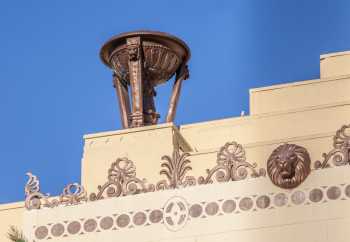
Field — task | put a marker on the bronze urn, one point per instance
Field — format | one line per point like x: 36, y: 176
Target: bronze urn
x: 142, y: 60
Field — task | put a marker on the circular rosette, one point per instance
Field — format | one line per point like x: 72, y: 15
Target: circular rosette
x: 230, y: 153
x: 121, y: 170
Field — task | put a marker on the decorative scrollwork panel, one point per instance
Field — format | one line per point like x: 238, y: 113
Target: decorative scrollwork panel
x: 340, y: 154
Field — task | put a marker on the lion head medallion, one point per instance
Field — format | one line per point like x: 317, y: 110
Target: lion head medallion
x: 288, y: 165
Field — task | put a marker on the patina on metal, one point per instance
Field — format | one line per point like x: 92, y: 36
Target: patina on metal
x: 142, y: 60
x: 288, y: 165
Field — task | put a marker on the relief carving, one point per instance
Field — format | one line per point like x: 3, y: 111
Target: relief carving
x: 122, y: 181
x: 231, y: 166
x: 34, y: 199
x: 340, y: 154
x: 289, y: 165
x: 175, y: 169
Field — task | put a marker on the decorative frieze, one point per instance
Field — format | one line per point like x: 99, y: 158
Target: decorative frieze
x: 288, y: 166
x: 340, y: 154
x: 231, y: 166
x: 122, y: 181
x: 177, y: 212
x: 35, y: 199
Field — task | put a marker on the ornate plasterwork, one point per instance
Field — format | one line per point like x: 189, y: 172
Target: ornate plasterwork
x: 340, y: 154
x: 177, y: 212
x: 35, y: 199
x: 122, y: 181
x: 175, y: 169
x: 231, y: 166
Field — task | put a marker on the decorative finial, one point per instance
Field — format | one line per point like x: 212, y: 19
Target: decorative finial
x: 142, y: 60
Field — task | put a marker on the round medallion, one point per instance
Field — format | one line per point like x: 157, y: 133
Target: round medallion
x: 196, y: 210
x: 246, y: 203
x: 298, y: 197
x: 90, y: 225
x: 316, y: 195
x: 347, y: 190
x: 139, y: 218
x: 123, y: 220
x: 57, y: 230
x: 175, y: 213
x: 156, y: 216
x: 73, y: 227
x: 41, y: 232
x: 212, y: 208
x: 263, y: 202
x: 280, y: 199
x: 333, y: 193
x: 106, y: 223
x: 229, y: 206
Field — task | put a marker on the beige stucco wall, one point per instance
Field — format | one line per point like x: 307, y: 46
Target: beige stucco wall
x: 10, y: 215
x: 335, y: 64
x: 285, y: 216
x: 300, y: 95
x: 306, y: 113
x: 144, y: 146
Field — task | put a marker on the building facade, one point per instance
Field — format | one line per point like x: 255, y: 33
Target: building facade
x: 280, y: 173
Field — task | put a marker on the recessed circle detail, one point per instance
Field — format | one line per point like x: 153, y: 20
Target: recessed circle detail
x: 196, y: 210
x: 106, y: 223
x: 298, y: 197
x: 156, y: 216
x: 123, y: 220
x: 74, y: 227
x: 90, y: 225
x: 316, y: 195
x: 41, y: 232
x: 263, y: 202
x: 347, y: 190
x: 280, y: 199
x: 212, y: 208
x: 57, y: 230
x: 246, y: 203
x: 176, y: 213
x: 229, y: 206
x: 139, y: 218
x: 333, y: 193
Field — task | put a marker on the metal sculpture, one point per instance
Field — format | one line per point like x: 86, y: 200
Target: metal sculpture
x: 288, y: 165
x: 143, y: 60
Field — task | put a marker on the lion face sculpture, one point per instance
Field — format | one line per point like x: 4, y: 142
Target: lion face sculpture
x: 288, y: 165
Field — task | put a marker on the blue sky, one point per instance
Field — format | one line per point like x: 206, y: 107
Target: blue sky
x: 54, y: 88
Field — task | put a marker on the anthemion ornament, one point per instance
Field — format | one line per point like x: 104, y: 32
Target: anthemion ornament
x: 141, y: 61
x: 122, y: 181
x: 175, y: 169
x: 340, y: 154
x: 231, y: 166
x: 288, y: 165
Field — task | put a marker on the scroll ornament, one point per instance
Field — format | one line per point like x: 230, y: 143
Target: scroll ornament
x: 34, y: 199
x: 340, y: 154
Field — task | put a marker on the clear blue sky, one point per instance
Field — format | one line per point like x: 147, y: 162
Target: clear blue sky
x: 54, y: 89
